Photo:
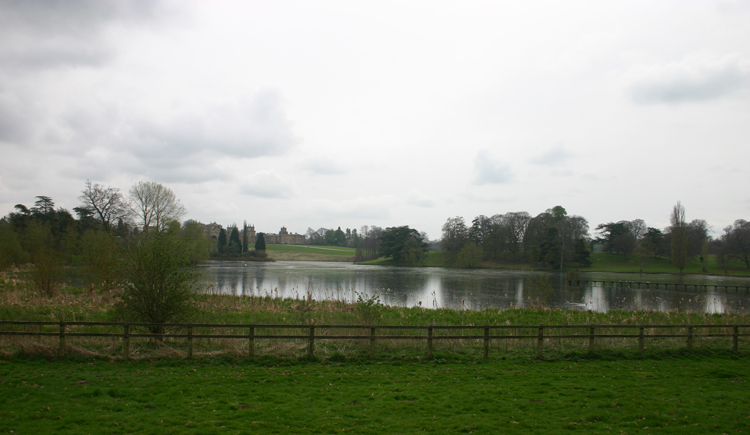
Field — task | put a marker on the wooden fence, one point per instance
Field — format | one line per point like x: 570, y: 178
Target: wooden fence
x: 430, y: 333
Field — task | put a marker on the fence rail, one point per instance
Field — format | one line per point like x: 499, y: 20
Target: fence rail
x: 311, y: 333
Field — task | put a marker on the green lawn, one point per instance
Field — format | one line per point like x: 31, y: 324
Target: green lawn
x: 675, y: 395
x: 620, y: 263
x: 313, y: 249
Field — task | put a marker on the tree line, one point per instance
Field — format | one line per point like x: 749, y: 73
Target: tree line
x: 555, y: 239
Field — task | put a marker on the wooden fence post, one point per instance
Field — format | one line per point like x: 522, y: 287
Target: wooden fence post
x: 429, y: 343
x: 190, y: 341
x: 540, y: 342
x: 486, y: 343
x: 640, y: 340
x: 311, y: 343
x: 735, y: 337
x: 251, y: 342
x: 591, y: 339
x: 372, y: 343
x: 62, y: 339
x: 690, y: 338
x: 126, y: 343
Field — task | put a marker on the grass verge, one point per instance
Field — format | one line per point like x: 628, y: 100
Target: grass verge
x: 672, y: 395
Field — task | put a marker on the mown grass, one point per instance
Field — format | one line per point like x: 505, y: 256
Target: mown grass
x: 675, y: 394
x: 600, y: 262
x: 603, y: 262
x: 327, y: 250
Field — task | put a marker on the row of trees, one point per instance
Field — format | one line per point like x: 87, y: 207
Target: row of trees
x: 551, y: 238
x: 555, y: 239
x: 106, y: 222
x: 235, y: 247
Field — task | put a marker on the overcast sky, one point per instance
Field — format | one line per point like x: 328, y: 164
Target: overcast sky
x: 345, y: 113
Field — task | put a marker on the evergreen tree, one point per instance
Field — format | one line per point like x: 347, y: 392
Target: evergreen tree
x: 235, y: 247
x: 679, y: 245
x: 222, y: 246
x: 260, y: 243
x: 244, y: 237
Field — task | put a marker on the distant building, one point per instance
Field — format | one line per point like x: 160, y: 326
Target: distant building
x: 212, y: 230
x: 283, y: 238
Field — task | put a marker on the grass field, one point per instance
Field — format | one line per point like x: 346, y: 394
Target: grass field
x: 678, y: 394
x: 310, y: 253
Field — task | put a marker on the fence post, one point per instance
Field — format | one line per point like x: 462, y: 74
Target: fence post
x: 62, y: 338
x: 486, y: 343
x: 372, y: 343
x: 126, y: 342
x: 640, y: 340
x: 540, y: 342
x: 735, y: 336
x: 690, y: 338
x: 251, y: 342
x: 591, y: 339
x: 190, y: 341
x: 429, y: 343
x: 311, y: 343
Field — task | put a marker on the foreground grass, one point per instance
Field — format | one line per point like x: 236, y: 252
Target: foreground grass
x: 673, y: 395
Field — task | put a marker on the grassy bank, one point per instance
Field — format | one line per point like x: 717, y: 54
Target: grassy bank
x: 310, y: 253
x: 600, y: 262
x: 18, y: 301
x: 676, y: 394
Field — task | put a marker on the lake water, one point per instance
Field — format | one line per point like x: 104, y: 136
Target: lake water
x: 463, y: 289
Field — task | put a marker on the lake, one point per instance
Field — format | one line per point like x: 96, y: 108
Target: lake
x: 464, y: 289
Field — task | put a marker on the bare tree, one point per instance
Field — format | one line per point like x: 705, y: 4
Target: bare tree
x: 679, y: 245
x: 155, y: 205
x: 106, y: 203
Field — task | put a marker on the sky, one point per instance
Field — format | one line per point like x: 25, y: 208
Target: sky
x: 310, y: 114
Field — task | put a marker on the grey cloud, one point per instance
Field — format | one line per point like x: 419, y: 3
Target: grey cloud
x: 47, y: 34
x: 266, y: 184
x: 552, y: 157
x: 244, y: 130
x: 491, y: 171
x: 694, y: 79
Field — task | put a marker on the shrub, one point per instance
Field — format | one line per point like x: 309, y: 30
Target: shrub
x: 158, y: 283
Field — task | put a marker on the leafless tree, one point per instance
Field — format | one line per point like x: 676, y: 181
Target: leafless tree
x: 155, y: 205
x: 106, y: 203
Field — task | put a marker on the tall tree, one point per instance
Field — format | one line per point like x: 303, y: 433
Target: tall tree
x: 260, y: 243
x: 245, y: 239
x: 402, y: 243
x: 455, y: 235
x: 679, y: 245
x: 235, y: 246
x: 222, y: 241
x: 155, y: 205
x: 106, y: 203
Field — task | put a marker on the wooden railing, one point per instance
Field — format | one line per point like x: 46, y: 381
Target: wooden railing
x: 429, y: 333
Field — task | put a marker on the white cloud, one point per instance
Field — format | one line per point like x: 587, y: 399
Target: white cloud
x: 419, y: 200
x: 698, y: 77
x: 490, y: 170
x: 323, y: 166
x: 364, y: 207
x: 266, y: 184
x: 554, y: 156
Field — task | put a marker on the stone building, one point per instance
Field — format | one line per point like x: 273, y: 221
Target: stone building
x: 283, y: 238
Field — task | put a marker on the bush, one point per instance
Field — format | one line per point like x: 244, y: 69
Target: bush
x: 48, y: 273
x: 158, y: 283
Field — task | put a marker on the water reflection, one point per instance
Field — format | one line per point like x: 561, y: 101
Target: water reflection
x: 458, y: 289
